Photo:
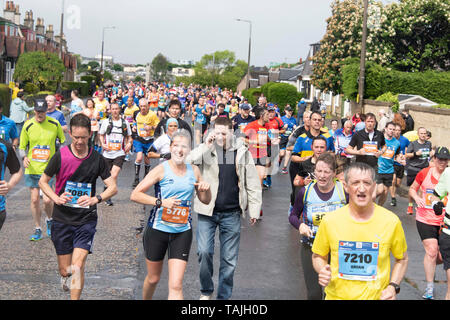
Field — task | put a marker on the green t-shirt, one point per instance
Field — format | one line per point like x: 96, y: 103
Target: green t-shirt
x: 443, y: 187
x: 40, y: 139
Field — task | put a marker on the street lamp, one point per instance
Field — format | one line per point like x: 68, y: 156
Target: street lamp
x: 249, y: 50
x: 103, y: 44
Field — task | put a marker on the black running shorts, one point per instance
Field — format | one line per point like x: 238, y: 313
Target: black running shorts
x: 156, y: 243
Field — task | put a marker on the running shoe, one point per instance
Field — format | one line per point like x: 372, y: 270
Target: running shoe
x: 393, y: 202
x: 127, y: 157
x: 37, y: 235
x: 428, y: 295
x: 265, y: 184
x: 65, y: 283
x: 204, y: 297
x: 49, y: 227
x: 410, y: 210
x: 109, y: 203
x: 284, y: 171
x: 135, y: 183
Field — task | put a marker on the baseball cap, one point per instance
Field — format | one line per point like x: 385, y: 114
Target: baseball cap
x: 245, y: 106
x: 288, y: 108
x: 40, y: 105
x: 270, y: 108
x: 442, y: 153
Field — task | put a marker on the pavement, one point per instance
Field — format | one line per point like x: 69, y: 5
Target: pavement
x: 269, y: 265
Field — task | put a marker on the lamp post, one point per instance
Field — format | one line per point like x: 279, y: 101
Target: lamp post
x: 103, y: 44
x: 249, y: 50
x: 362, y: 67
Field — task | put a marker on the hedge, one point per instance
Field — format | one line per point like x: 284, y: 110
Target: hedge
x: 283, y: 94
x: 433, y: 85
x: 5, y: 98
x: 252, y: 95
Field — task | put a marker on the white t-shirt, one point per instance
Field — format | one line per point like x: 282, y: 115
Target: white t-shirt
x: 162, y: 145
x: 115, y: 139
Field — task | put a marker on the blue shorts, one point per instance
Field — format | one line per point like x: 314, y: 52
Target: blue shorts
x: 66, y: 237
x: 142, y: 147
x: 32, y: 180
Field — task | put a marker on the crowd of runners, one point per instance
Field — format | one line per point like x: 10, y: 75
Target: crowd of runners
x: 216, y: 155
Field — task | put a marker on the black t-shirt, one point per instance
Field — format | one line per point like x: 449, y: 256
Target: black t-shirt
x: 228, y: 192
x: 240, y: 123
x: 306, y: 167
x: 360, y: 138
x: 68, y: 168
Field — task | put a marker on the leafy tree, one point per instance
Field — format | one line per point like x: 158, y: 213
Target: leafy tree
x: 117, y: 67
x: 160, y: 68
x: 408, y: 36
x: 39, y: 68
x: 94, y: 64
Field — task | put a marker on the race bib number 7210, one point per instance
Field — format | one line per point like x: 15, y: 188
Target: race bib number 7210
x: 358, y: 260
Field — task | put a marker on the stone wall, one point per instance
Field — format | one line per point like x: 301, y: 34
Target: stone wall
x: 373, y: 106
x: 435, y: 120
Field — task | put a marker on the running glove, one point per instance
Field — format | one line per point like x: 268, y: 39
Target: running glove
x: 165, y: 156
x: 438, y: 206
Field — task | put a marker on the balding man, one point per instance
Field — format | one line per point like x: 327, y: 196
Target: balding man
x: 342, y: 138
x: 55, y: 113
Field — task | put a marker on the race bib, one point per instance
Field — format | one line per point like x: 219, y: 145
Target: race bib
x: 425, y: 153
x: 40, y: 153
x: 178, y: 215
x: 388, y: 154
x: 77, y: 190
x: 358, y: 260
x: 114, y: 145
x: 143, y: 133
x: 428, y: 201
x: 370, y: 147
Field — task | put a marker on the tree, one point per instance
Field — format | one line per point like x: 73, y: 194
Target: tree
x: 408, y: 36
x: 93, y: 64
x: 39, y: 68
x: 117, y: 67
x: 160, y: 68
x: 417, y: 35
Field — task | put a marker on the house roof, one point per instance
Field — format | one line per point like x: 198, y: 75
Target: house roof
x: 413, y: 98
x: 289, y: 74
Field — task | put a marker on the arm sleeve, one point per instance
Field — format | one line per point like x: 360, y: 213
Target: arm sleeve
x: 399, y: 245
x: 24, y: 138
x: 60, y: 134
x: 321, y: 244
x: 353, y: 141
x: 421, y: 176
x: 297, y: 146
x: 13, y: 132
x: 296, y: 213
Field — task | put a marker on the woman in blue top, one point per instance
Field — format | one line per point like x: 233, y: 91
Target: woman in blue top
x: 322, y: 196
x: 169, y: 227
x: 76, y: 106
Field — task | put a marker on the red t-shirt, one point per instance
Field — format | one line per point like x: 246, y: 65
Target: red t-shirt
x: 276, y: 124
x: 258, y: 137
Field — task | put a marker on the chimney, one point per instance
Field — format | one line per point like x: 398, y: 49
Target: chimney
x: 49, y: 34
x: 40, y: 28
x: 9, y: 13
x: 17, y: 15
x: 29, y: 22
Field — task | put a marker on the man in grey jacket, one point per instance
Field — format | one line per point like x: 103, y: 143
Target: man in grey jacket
x: 227, y: 165
x: 18, y: 111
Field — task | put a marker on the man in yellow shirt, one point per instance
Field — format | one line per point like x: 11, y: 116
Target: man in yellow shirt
x: 359, y: 238
x: 143, y: 135
x: 102, y: 105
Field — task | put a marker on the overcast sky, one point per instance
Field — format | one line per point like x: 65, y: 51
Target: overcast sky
x: 187, y: 29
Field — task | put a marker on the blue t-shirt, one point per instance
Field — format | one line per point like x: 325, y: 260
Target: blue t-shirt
x: 200, y: 118
x: 303, y: 143
x: 59, y: 116
x: 386, y: 160
x: 8, y: 129
x: 125, y: 100
x: 291, y: 122
x: 404, y: 143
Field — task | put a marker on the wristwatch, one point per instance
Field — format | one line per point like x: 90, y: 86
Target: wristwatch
x: 99, y: 198
x: 158, y: 203
x: 396, y: 287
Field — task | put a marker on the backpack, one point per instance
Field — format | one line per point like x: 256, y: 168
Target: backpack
x: 123, y: 126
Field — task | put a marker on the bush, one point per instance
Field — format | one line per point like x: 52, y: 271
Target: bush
x: 433, y: 85
x: 442, y: 106
x: 282, y: 94
x: 5, y: 98
x: 88, y: 78
x: 30, y: 88
x: 389, y: 97
x: 252, y: 95
x: 265, y: 88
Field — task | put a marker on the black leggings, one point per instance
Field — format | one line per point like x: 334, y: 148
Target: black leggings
x: 2, y: 218
x: 313, y: 288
